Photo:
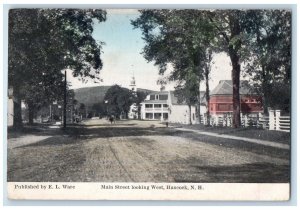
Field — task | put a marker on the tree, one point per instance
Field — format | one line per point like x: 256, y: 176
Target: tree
x: 234, y: 36
x: 41, y: 44
x: 99, y: 109
x: 175, y: 36
x: 119, y: 100
x: 228, y: 24
x: 207, y: 71
x: 270, y: 66
x: 82, y: 110
x: 71, y: 104
x: 139, y: 98
x: 187, y: 93
x: 181, y: 37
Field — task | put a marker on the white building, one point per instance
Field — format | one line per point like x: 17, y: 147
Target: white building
x: 163, y: 105
x: 133, y: 111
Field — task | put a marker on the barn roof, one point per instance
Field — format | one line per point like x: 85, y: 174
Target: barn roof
x: 225, y: 88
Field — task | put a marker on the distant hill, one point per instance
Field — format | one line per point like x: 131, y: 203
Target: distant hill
x: 93, y: 95
x: 145, y: 90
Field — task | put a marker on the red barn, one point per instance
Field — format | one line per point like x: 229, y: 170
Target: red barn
x: 221, y: 99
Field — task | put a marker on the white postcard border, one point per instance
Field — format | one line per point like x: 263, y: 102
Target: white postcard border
x: 148, y: 191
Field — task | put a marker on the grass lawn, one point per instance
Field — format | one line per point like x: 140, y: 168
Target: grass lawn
x: 255, y: 133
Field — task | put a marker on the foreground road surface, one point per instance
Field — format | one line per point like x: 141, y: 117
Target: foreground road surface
x: 141, y: 152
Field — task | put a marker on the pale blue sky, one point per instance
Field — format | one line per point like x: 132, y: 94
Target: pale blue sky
x: 122, y: 55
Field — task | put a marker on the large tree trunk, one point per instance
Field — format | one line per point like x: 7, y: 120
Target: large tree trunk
x: 30, y: 113
x: 17, y: 124
x: 198, y: 108
x: 190, y: 114
x: 235, y: 75
x: 236, y: 69
x: 265, y: 99
x: 207, y: 70
x: 198, y: 115
x: 139, y: 112
x: 265, y: 102
x: 198, y: 104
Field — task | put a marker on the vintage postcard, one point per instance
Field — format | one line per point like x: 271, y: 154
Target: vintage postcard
x: 149, y: 104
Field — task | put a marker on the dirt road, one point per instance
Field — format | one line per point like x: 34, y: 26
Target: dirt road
x: 141, y: 152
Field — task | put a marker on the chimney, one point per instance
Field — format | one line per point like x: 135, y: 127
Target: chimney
x: 162, y: 88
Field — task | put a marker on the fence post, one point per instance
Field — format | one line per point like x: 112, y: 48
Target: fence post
x: 277, y: 117
x: 271, y: 120
x: 260, y: 116
x: 217, y: 120
x: 228, y: 120
x: 246, y: 120
x: 261, y: 119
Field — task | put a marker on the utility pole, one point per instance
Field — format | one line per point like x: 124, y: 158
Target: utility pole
x: 50, y: 113
x: 65, y: 101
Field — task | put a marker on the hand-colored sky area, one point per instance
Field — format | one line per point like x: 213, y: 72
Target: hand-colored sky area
x: 122, y: 56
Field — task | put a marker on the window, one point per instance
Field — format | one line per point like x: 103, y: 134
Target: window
x: 193, y: 116
x: 166, y: 105
x: 156, y: 97
x: 152, y: 97
x: 165, y: 116
x: 149, y: 115
x: 163, y: 97
x: 149, y: 105
x: 157, y: 116
x: 157, y: 105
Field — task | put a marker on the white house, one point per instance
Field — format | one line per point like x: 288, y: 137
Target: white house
x: 133, y: 110
x: 164, y: 105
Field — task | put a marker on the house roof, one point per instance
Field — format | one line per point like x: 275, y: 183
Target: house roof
x: 157, y: 93
x: 145, y: 90
x: 225, y: 88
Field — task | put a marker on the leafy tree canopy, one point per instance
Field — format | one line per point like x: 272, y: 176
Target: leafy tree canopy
x: 42, y: 42
x: 119, y: 100
x: 186, y: 39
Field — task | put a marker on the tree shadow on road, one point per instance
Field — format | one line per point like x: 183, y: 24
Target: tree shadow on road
x: 37, y: 130
x: 80, y: 134
x: 241, y: 173
x: 73, y: 135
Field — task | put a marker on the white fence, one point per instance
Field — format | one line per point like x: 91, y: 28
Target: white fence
x: 275, y: 121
